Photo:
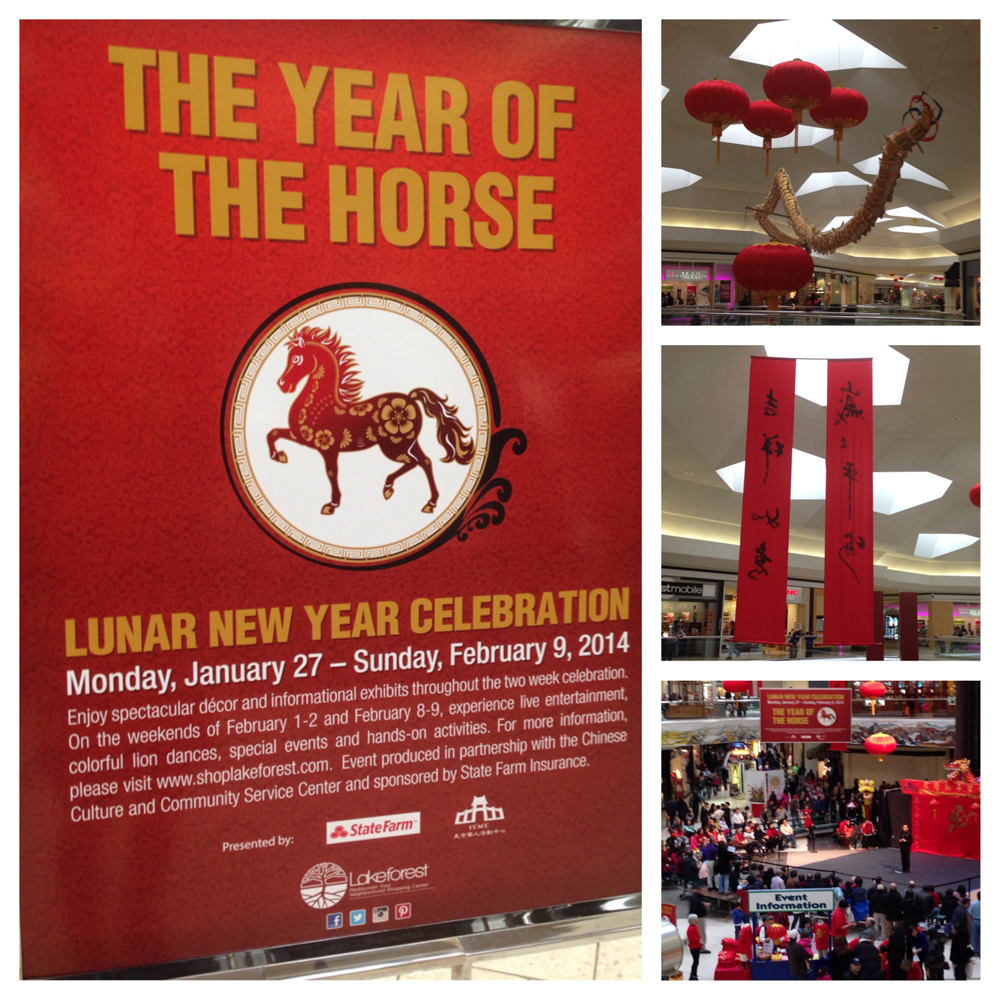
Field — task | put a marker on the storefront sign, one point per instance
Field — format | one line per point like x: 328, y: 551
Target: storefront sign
x: 683, y: 589
x: 685, y: 274
x: 805, y: 715
x: 791, y: 900
x: 315, y: 418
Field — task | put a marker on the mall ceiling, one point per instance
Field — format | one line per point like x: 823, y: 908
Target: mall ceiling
x: 934, y: 429
x: 941, y: 57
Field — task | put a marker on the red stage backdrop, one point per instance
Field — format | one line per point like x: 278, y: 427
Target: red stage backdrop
x: 330, y: 456
x: 849, y: 576
x: 767, y: 490
x: 945, y: 817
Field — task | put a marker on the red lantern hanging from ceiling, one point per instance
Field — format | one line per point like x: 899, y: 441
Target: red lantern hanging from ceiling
x: 844, y: 108
x: 737, y: 687
x: 880, y: 744
x: 797, y: 85
x: 766, y: 119
x: 774, y: 269
x: 717, y: 103
x: 872, y: 690
x: 974, y: 494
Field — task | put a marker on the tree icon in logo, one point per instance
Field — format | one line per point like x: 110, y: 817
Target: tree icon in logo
x: 323, y: 885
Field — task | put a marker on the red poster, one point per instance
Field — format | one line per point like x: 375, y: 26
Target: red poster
x: 945, y: 817
x: 767, y: 490
x: 805, y: 715
x: 849, y: 580
x: 330, y: 456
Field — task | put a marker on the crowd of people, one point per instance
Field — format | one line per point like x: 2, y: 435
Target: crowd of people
x: 875, y: 931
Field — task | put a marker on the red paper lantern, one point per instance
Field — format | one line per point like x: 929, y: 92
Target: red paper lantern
x: 844, y: 108
x: 773, y: 268
x: 766, y: 119
x: 974, y: 494
x: 974, y: 807
x: 736, y: 687
x: 797, y: 85
x: 871, y: 690
x: 717, y: 103
x: 880, y: 744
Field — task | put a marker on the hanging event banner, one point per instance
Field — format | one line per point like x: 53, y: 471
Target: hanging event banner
x: 767, y: 490
x: 805, y: 715
x: 330, y: 454
x: 849, y: 571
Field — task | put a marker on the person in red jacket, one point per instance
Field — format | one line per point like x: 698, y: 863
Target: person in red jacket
x: 841, y: 922
x: 695, y: 944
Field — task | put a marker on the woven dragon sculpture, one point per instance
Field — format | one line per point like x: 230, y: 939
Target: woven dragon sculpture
x: 894, y: 153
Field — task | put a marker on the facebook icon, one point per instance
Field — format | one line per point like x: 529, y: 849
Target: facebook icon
x: 334, y: 921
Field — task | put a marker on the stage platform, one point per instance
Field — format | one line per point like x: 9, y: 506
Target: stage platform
x: 925, y: 869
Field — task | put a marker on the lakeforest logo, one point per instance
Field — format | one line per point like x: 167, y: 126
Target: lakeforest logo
x: 359, y: 428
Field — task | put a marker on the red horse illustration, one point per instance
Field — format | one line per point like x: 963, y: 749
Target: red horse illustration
x: 330, y: 415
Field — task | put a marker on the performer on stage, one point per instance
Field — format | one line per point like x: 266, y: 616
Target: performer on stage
x: 905, y: 842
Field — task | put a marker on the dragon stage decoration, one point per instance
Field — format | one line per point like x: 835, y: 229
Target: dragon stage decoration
x: 960, y: 772
x: 898, y: 146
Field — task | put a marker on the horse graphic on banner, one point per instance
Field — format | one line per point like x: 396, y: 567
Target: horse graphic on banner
x: 330, y: 416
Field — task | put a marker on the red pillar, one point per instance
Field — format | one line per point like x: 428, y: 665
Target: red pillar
x: 876, y: 651
x: 909, y: 645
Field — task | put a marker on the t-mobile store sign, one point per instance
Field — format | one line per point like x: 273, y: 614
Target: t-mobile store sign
x: 685, y: 589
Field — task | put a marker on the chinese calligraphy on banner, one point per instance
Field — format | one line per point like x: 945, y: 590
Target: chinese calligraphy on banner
x: 767, y: 489
x: 849, y: 571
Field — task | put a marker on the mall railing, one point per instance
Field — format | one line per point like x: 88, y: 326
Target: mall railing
x: 758, y: 315
x: 716, y: 647
x: 957, y: 647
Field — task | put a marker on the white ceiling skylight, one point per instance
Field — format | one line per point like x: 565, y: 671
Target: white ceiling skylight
x: 822, y: 181
x: 932, y: 546
x: 837, y: 222
x: 908, y: 173
x: 663, y: 91
x: 808, y: 476
x: 892, y: 491
x: 809, y: 135
x: 896, y: 491
x: 889, y: 369
x: 816, y: 39
x: 912, y: 229
x: 912, y: 213
x: 672, y: 179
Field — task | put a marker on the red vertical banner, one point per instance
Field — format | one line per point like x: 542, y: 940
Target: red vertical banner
x: 767, y: 490
x: 849, y: 573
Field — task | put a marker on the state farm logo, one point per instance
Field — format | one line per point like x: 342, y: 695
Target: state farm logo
x: 345, y: 831
x: 478, y: 818
x: 323, y: 885
x: 359, y: 428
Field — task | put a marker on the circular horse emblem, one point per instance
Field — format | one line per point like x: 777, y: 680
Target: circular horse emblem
x: 357, y: 425
x: 826, y: 716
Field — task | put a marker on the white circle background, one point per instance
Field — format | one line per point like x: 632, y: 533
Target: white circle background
x: 398, y: 347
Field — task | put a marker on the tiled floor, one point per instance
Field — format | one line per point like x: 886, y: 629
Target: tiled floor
x: 619, y: 958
